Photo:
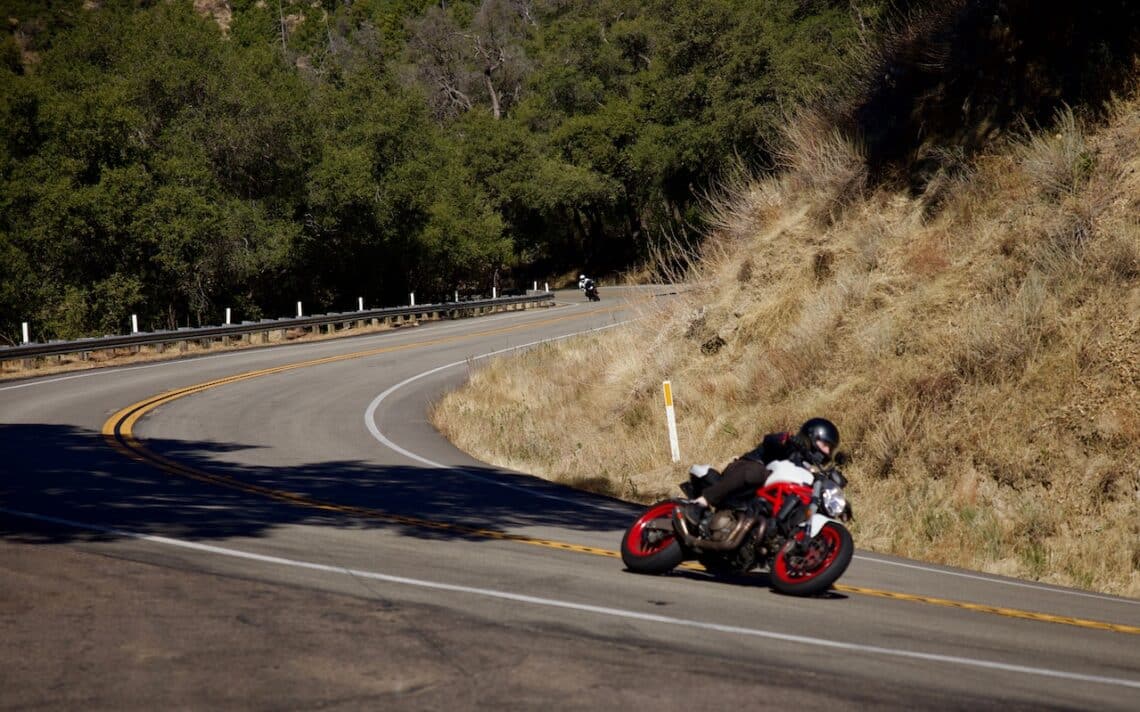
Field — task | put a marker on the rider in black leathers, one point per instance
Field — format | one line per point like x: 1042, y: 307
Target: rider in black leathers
x: 814, y: 444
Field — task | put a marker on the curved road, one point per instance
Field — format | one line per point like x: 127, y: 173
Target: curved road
x: 281, y: 528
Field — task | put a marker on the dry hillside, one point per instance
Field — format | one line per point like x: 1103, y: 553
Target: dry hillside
x: 978, y: 343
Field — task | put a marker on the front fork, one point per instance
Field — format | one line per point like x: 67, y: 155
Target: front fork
x: 812, y: 521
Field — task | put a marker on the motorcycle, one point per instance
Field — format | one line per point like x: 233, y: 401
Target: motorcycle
x: 792, y: 525
x: 592, y: 293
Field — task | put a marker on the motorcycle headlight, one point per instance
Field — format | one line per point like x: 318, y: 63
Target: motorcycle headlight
x: 832, y: 498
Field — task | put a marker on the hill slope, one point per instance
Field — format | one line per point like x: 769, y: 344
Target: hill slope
x: 977, y: 341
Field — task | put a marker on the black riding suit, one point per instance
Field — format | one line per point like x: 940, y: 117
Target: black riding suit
x: 751, y: 469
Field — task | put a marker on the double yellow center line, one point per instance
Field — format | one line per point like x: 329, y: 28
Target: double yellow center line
x: 118, y: 430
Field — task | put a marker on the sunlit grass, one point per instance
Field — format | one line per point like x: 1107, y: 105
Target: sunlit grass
x: 981, y: 356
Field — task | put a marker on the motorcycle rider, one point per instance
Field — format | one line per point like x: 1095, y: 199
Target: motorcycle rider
x: 588, y: 286
x: 814, y: 444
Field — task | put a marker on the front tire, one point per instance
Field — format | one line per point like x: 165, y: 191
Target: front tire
x: 827, y: 557
x: 650, y: 550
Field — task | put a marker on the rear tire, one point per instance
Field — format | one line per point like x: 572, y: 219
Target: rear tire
x: 827, y: 558
x: 650, y: 551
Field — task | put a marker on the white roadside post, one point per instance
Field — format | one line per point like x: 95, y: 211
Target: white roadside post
x: 412, y: 299
x: 494, y: 292
x: 134, y: 323
x: 27, y: 338
x: 360, y: 303
x: 228, y: 315
x: 671, y: 419
x: 298, y: 308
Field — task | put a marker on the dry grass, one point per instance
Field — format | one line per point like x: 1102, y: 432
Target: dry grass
x: 982, y: 359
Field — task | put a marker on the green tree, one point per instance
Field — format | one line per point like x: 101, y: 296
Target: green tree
x: 156, y: 163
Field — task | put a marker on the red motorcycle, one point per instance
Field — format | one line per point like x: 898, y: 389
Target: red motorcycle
x: 792, y: 526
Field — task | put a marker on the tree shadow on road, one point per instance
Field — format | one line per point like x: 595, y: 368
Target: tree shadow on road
x: 76, y: 475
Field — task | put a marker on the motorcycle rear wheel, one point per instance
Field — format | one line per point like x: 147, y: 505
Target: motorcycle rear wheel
x: 647, y: 550
x: 827, y: 557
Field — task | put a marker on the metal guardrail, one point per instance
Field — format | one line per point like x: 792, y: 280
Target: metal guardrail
x: 265, y: 326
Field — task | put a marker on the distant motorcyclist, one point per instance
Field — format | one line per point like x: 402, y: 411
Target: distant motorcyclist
x: 814, y: 444
x: 590, y: 288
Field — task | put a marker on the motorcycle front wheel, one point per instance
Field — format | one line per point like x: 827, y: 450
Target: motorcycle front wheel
x: 648, y: 547
x: 817, y: 566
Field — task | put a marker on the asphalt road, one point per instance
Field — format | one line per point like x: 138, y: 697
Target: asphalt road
x: 280, y: 528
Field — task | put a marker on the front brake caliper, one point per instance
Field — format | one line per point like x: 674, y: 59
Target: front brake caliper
x: 801, y: 540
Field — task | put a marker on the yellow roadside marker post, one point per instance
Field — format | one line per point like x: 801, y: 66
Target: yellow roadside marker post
x: 671, y: 419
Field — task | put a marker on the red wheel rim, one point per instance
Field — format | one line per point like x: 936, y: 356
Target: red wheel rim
x: 635, y: 543
x: 822, y: 553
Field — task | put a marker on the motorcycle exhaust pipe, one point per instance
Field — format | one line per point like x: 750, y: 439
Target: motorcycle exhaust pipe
x: 681, y: 529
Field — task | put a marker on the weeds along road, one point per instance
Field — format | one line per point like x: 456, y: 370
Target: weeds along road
x: 281, y: 528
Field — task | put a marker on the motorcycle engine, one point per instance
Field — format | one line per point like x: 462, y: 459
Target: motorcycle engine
x: 721, y: 525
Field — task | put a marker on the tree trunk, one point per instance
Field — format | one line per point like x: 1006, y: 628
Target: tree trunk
x: 496, y: 111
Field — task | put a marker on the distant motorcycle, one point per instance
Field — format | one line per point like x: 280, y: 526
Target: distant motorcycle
x: 791, y: 526
x: 592, y: 292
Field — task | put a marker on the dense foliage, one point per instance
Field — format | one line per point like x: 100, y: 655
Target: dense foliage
x: 172, y: 159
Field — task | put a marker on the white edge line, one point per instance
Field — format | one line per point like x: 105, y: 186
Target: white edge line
x: 370, y: 418
x: 988, y: 579
x: 370, y: 423
x: 597, y: 610
x: 104, y: 371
